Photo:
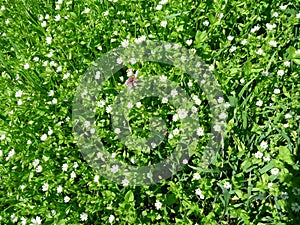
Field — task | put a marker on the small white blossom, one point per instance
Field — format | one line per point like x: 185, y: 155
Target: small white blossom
x: 259, y: 103
x: 158, y: 7
x: 274, y: 171
x: 45, y: 187
x: 125, y: 182
x: 273, y: 43
x: 196, y: 176
x: 83, y: 217
x: 258, y: 155
x: 189, y: 42
x: 158, y: 205
x: 280, y: 72
x: 164, y: 23
x: 227, y: 185
x: 264, y: 145
x: 26, y: 66
x: 114, y: 169
x: 111, y: 218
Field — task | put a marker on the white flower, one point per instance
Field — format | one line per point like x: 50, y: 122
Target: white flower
x: 273, y: 43
x: 259, y: 51
x: 276, y: 91
x: 97, y: 75
x: 283, y: 7
x: 175, y: 117
x: 108, y: 109
x: 287, y: 63
x: 220, y: 15
x: 288, y: 116
x: 271, y: 26
x: 255, y: 28
x: 264, y: 145
x: 59, y: 189
x: 125, y: 182
x: 1, y: 153
x: 185, y: 161
x: 258, y: 155
x: 163, y: 23
x: 270, y: 185
x: 75, y: 165
x: 227, y: 185
x: 164, y: 100
x: 36, y: 162
x: 48, y: 40
x: 196, y: 176
x: 138, y: 104
x: 18, y: 94
x: 73, y: 174
x: 176, y: 131
x: 36, y: 221
x: 86, y: 10
x: 232, y: 49
x: 275, y: 14
x: 158, y: 7
x: 10, y: 154
x: 119, y: 60
x: 39, y: 169
x: 111, y: 218
x: 200, y: 131
x: 266, y: 158
x: 259, y: 103
x: 275, y: 171
x: 174, y: 93
x: 96, y: 178
x: 197, y: 100
x: 57, y: 17
x: 189, y: 42
x: 158, y: 204
x: 114, y: 169
x: 125, y: 43
x: 83, y: 217
x: 298, y: 15
x: 217, y: 128
x: 20, y: 102
x: 163, y: 2
x: 182, y: 113
x: 65, y: 167
x: 230, y: 38
x: 67, y: 199
x: 206, y: 23
x: 23, y: 220
x: 26, y: 66
x: 45, y: 187
x: 280, y: 72
x: 199, y: 193
x: 51, y: 93
x: 222, y: 116
x: 44, y: 137
x: 244, y: 41
x: 129, y: 105
x: 2, y: 8
x: 163, y: 78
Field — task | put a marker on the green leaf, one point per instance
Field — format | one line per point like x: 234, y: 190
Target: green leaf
x: 266, y: 168
x: 200, y: 38
x: 171, y: 199
x: 129, y: 196
x: 285, y: 155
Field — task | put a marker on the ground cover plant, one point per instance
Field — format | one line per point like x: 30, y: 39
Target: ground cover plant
x: 251, y: 48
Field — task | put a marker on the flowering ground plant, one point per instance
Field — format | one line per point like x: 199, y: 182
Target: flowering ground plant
x: 223, y: 130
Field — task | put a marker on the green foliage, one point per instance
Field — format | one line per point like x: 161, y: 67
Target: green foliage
x: 251, y: 47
